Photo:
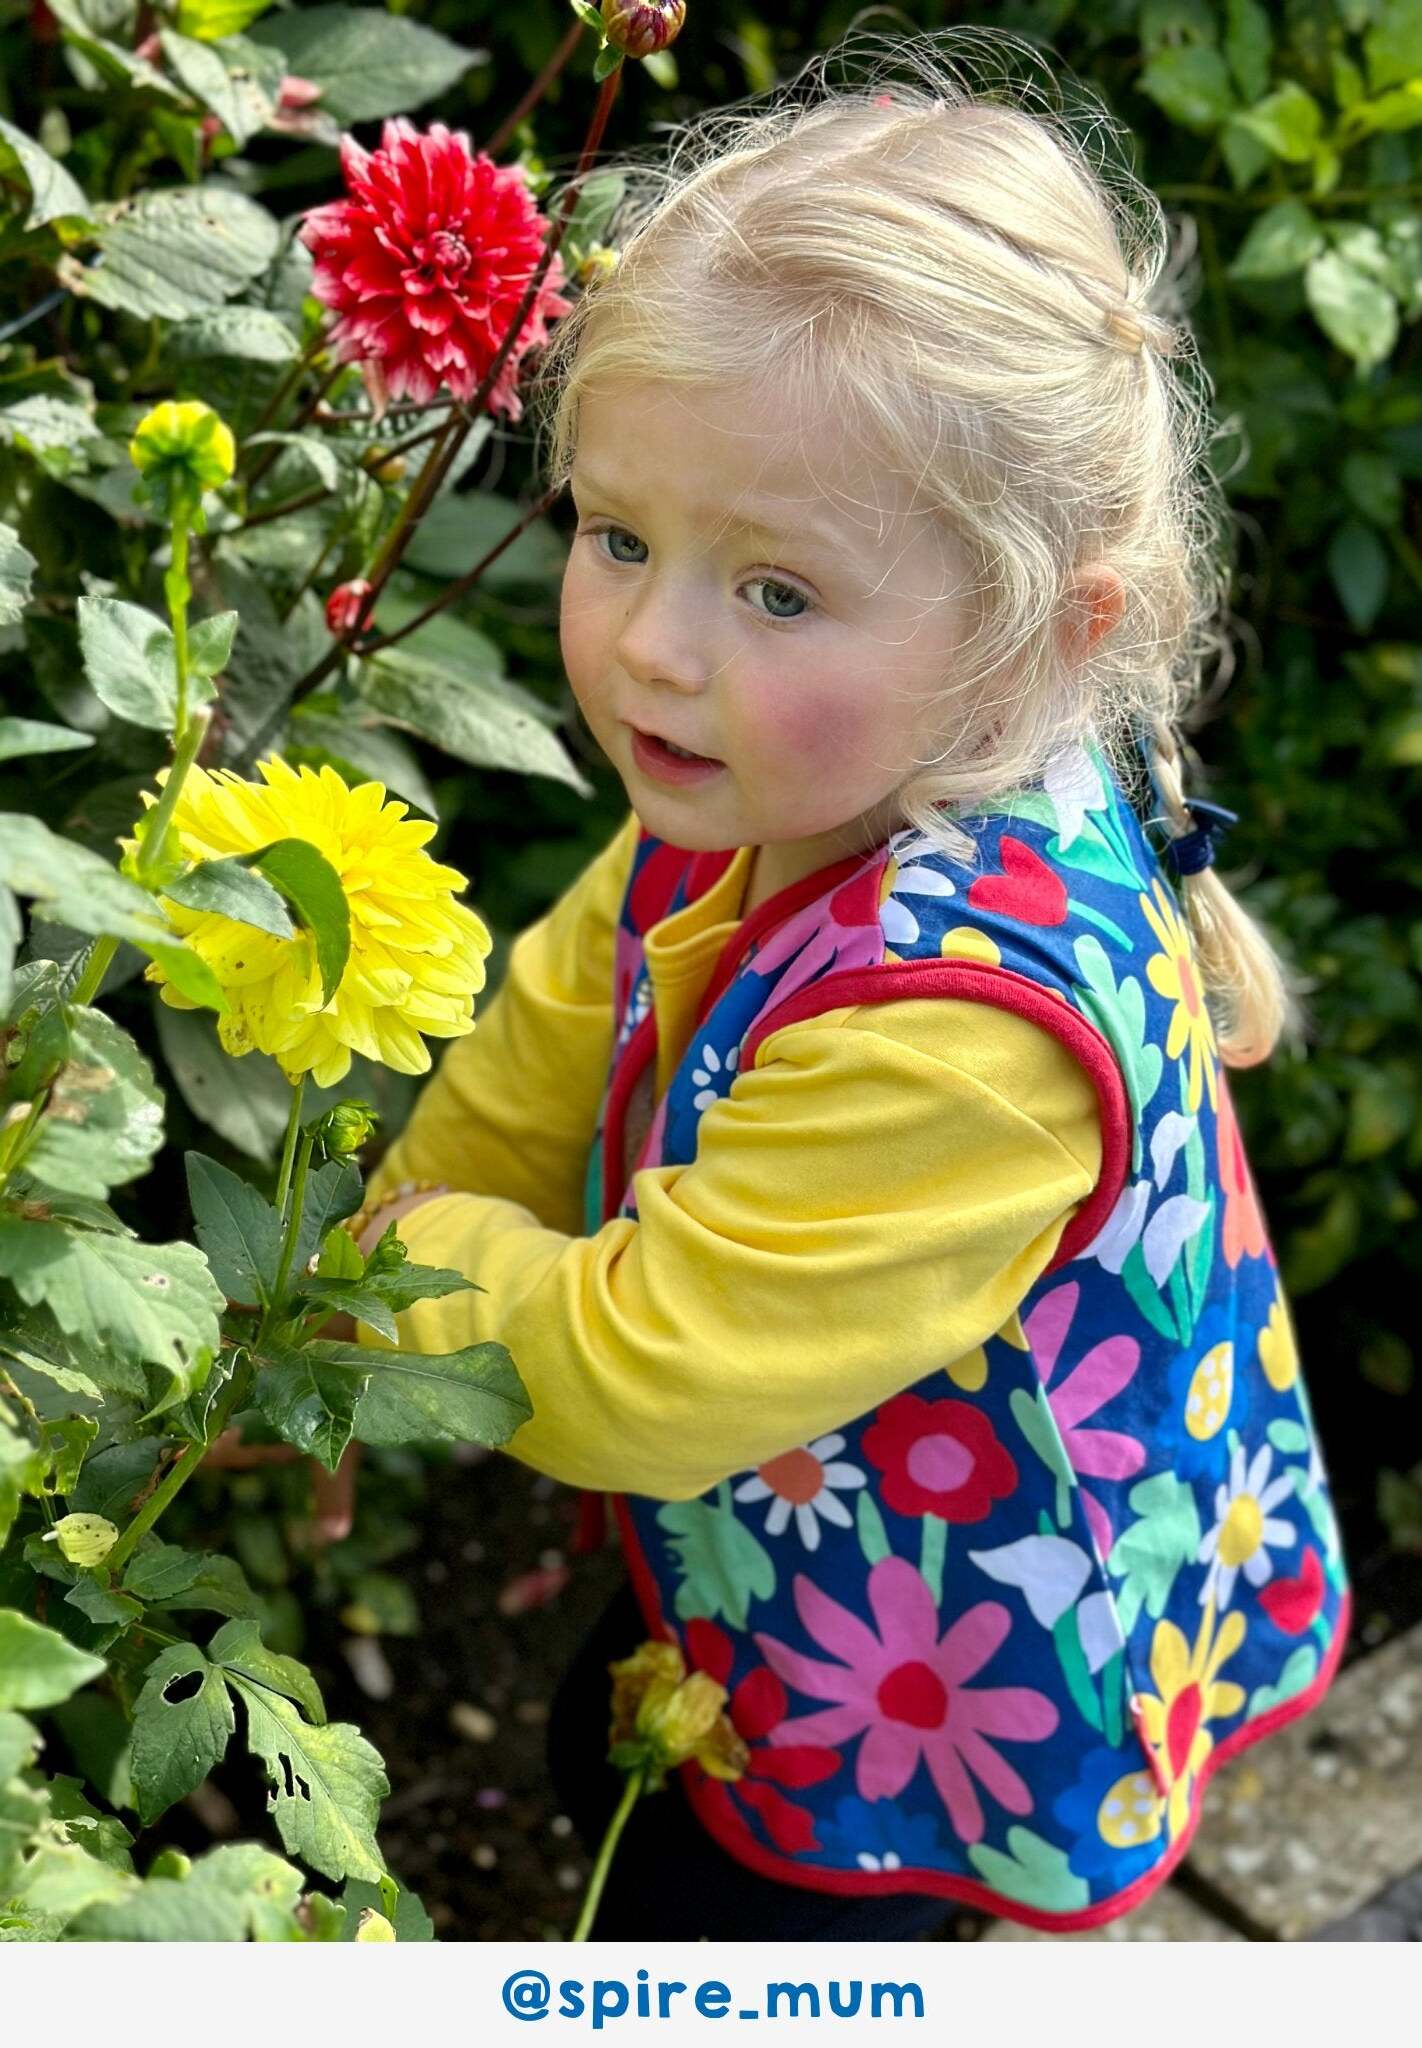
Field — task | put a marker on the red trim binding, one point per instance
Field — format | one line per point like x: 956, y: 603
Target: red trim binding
x: 939, y: 1884
x: 1000, y: 986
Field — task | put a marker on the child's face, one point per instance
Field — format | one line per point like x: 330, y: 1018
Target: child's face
x: 802, y: 657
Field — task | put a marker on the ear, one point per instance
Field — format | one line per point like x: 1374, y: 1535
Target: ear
x: 1094, y: 604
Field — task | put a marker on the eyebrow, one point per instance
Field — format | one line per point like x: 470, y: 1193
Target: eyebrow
x: 803, y: 529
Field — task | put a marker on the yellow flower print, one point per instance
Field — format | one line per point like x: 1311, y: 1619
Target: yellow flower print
x: 1278, y: 1353
x: 970, y: 1371
x: 1188, y: 1696
x: 964, y: 943
x: 1174, y: 973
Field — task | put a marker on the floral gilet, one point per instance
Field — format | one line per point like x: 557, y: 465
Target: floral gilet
x: 990, y: 1639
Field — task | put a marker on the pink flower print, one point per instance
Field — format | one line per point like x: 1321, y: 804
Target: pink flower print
x: 908, y: 1694
x: 819, y: 941
x: 1096, y: 1379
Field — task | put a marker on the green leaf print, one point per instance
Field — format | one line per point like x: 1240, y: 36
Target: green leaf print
x: 1037, y: 1423
x: 724, y: 1567
x: 1296, y: 1674
x: 1146, y: 1295
x: 869, y: 1527
x: 1119, y: 1013
x: 1035, y: 1873
x: 1094, y: 854
x: 1149, y: 1553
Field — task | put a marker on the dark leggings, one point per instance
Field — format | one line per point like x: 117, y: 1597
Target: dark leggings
x: 669, y: 1880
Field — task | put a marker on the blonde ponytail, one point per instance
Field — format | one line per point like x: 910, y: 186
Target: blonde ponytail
x: 1256, y: 989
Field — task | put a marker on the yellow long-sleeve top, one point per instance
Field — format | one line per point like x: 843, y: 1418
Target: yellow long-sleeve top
x: 870, y: 1202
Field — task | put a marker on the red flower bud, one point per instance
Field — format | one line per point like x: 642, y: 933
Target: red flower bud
x: 344, y: 603
x: 640, y: 30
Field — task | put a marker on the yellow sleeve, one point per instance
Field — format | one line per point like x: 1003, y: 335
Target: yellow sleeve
x: 510, y: 1109
x: 870, y: 1202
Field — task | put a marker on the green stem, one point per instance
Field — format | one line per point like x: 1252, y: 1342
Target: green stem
x: 598, y: 1879
x: 293, y: 1231
x: 288, y: 1150
x: 182, y: 1469
x: 178, y: 591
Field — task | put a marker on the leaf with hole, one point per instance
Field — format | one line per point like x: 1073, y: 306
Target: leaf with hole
x: 327, y: 1784
x: 182, y: 1723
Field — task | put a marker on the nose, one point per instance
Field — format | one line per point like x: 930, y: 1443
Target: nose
x: 662, y: 639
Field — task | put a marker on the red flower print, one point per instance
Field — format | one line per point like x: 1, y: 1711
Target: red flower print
x: 426, y: 262
x: 1243, y: 1234
x: 938, y: 1458
x: 1026, y: 890
x: 757, y: 1707
x: 1291, y: 1604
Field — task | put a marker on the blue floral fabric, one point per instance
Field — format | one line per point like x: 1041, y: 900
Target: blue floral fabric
x: 989, y: 1639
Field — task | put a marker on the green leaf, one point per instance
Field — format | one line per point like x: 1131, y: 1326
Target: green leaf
x: 211, y: 19
x: 483, y: 719
x: 157, y: 1569
x: 230, y: 889
x: 460, y: 530
x: 210, y: 644
x: 220, y: 1588
x: 24, y: 736
x: 1279, y: 243
x: 76, y: 887
x: 243, y: 109
x: 318, y: 456
x: 180, y: 1730
x: 411, y: 1922
x: 239, y: 1648
x: 58, y: 432
x: 1392, y: 45
x: 473, y: 1395
x: 238, y: 1229
x: 17, y: 566
x: 1191, y: 85
x: 367, y: 63
x: 153, y: 1304
x: 22, y: 1470
x: 724, y: 1564
x: 112, y: 1479
x: 129, y: 660
x: 171, y: 253
x: 53, y: 193
x: 253, y: 1116
x: 248, y: 334
x: 309, y: 1402
x: 327, y: 1784
x: 20, y: 1742
x: 349, y: 1298
x: 1356, y: 312
x: 65, y: 1440
x: 313, y: 888
x: 103, y: 1122
x: 61, y: 1879
x: 1288, y: 122
x: 332, y: 1193
x: 1361, y: 568
x: 38, y: 1668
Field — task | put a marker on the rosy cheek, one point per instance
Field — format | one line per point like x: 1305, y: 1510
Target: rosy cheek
x: 806, y: 727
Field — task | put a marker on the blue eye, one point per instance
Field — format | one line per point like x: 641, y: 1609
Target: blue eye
x: 785, y: 590
x: 605, y: 532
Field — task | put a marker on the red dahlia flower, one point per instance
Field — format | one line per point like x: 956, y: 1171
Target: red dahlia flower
x: 426, y: 262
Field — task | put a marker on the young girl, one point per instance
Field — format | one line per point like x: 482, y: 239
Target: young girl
x: 847, y: 1158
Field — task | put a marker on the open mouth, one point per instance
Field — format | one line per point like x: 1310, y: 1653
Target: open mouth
x: 668, y: 763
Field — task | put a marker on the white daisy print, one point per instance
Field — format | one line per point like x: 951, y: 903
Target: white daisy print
x: 637, y: 1009
x: 901, y: 927
x: 1245, y: 1527
x: 805, y: 1483
x: 1073, y: 783
x: 714, y: 1075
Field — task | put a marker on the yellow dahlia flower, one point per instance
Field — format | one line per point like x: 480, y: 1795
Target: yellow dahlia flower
x: 417, y: 956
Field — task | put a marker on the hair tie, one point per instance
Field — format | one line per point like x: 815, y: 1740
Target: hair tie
x: 1195, y: 850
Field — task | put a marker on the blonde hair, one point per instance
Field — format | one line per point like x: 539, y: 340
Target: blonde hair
x: 979, y: 295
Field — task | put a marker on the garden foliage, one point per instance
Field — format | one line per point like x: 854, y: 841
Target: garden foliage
x: 170, y: 1203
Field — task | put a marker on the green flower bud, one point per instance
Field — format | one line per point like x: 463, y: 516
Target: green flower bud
x: 85, y: 1539
x: 345, y: 1128
x: 182, y: 449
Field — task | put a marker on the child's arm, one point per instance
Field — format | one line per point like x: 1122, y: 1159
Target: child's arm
x: 511, y: 1108
x: 866, y: 1205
